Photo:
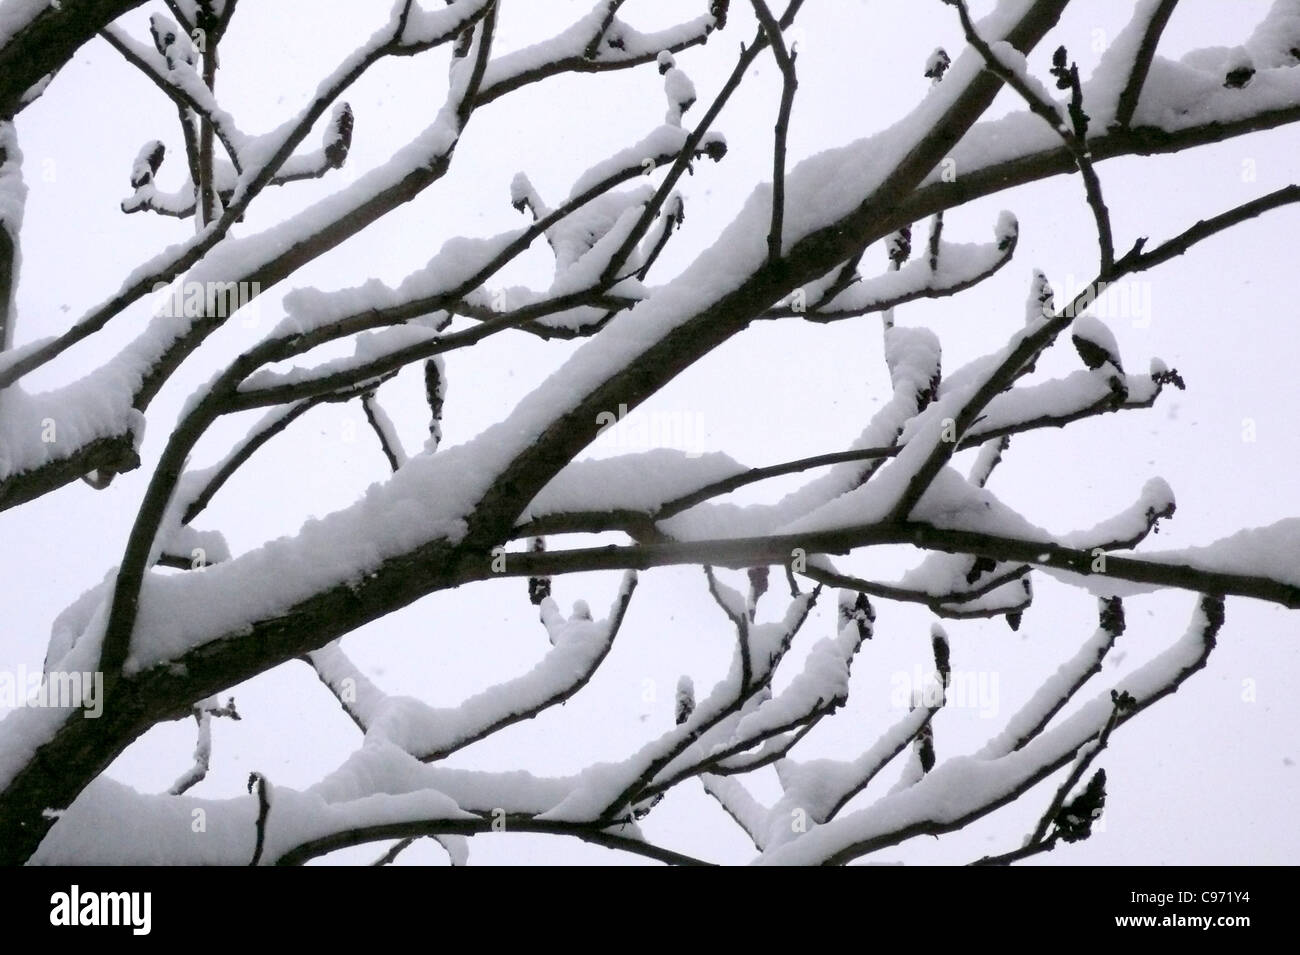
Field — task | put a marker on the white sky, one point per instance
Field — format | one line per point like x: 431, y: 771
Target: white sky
x: 1204, y: 777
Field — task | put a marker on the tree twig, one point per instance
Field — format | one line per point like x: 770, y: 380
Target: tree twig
x: 789, y: 82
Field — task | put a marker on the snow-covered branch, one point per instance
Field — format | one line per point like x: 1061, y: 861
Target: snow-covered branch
x: 961, y: 266
x: 965, y: 788
x: 166, y: 643
x: 431, y: 733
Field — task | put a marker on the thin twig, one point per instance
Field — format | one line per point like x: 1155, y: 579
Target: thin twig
x: 395, y: 850
x: 747, y: 56
x: 1090, y: 751
x: 392, y: 454
x: 1075, y: 140
x: 789, y: 82
x: 742, y: 627
x: 263, y: 812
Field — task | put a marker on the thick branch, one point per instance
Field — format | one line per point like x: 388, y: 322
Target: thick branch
x: 48, y: 40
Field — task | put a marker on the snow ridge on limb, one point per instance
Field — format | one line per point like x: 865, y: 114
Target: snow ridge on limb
x: 430, y: 733
x: 978, y: 165
x: 263, y: 260
x: 609, y: 790
x: 584, y: 232
x: 740, y: 805
x: 812, y: 790
x: 821, y: 788
x: 1061, y: 401
x: 959, y: 586
x: 632, y: 484
x: 1049, y: 404
x: 914, y: 357
x: 488, y: 484
x: 964, y: 788
x: 199, y: 424
x: 770, y: 725
x: 963, y: 265
x: 1060, y: 688
x: 269, y: 153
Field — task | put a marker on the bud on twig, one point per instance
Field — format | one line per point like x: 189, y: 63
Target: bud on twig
x: 685, y: 699
x: 146, y: 163
x: 942, y: 654
x: 856, y: 609
x: 1074, y: 821
x: 338, y: 138
x: 539, y: 588
x: 937, y: 64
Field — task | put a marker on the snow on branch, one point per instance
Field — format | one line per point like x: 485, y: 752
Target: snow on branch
x: 990, y: 456
x: 961, y: 265
x: 582, y: 232
x: 819, y: 789
x: 263, y: 157
x: 1235, y: 565
x: 1061, y: 687
x: 203, y: 713
x: 594, y: 43
x: 171, y: 67
x: 628, y: 486
x: 431, y: 524
x: 431, y: 733
x: 607, y: 790
x: 965, y: 788
x: 336, y: 142
x: 985, y: 156
x: 197, y: 488
x: 1056, y: 403
x: 817, y: 690
x: 915, y: 359
x: 1049, y: 404
x: 1136, y: 45
x: 941, y: 582
x: 360, y: 698
x: 739, y: 804
x: 1009, y: 64
x: 13, y: 200
x: 389, y: 441
x: 1008, y: 600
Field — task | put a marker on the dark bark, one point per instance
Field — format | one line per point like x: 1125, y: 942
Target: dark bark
x: 49, y: 41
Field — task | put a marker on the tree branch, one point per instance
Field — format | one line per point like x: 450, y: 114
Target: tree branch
x: 789, y: 82
x: 1137, y: 77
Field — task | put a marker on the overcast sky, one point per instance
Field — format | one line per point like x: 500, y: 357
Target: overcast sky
x: 1207, y: 776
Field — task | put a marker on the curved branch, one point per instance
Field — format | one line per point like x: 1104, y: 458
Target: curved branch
x: 594, y: 833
